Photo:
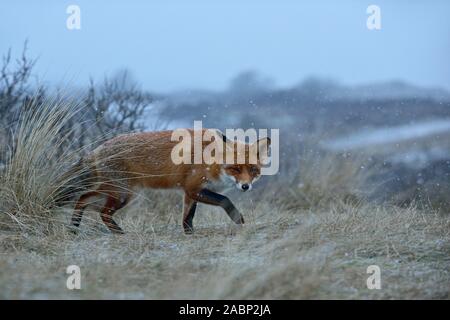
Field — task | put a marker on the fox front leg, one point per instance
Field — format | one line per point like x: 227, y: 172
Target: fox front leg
x: 188, y: 214
x: 216, y: 199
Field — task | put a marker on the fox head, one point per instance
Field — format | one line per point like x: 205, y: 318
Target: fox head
x: 243, y: 161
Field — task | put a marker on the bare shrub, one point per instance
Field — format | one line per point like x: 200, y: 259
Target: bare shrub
x: 14, y: 83
x: 14, y: 86
x: 117, y: 105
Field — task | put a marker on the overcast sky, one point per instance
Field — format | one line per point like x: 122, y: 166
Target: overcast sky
x: 171, y: 45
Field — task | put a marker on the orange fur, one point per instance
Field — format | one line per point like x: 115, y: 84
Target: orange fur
x: 143, y: 160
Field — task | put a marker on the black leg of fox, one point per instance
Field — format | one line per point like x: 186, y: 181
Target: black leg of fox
x: 189, y: 217
x: 213, y: 198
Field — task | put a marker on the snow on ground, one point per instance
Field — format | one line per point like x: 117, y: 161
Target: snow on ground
x: 388, y: 135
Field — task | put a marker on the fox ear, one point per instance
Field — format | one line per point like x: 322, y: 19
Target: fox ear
x: 222, y: 137
x: 262, y: 146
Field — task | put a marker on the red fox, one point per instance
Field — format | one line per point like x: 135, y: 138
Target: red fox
x: 143, y: 160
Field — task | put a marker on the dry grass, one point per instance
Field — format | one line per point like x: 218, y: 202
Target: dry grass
x: 302, y: 254
x: 33, y: 175
x: 306, y: 241
x: 326, y: 177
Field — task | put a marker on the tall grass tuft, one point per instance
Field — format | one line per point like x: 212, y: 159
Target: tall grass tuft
x: 35, y: 168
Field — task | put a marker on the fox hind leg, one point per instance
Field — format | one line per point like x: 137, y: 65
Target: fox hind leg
x: 112, y: 204
x: 80, y: 206
x: 115, y: 200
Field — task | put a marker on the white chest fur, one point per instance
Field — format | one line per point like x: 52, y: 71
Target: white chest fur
x: 223, y: 184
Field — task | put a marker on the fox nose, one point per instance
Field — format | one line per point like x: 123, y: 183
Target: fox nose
x: 245, y: 187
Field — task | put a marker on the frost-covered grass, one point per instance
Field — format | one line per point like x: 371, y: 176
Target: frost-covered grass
x: 290, y: 254
x: 309, y: 237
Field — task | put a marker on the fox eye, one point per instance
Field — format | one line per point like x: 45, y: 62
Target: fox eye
x: 254, y: 170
